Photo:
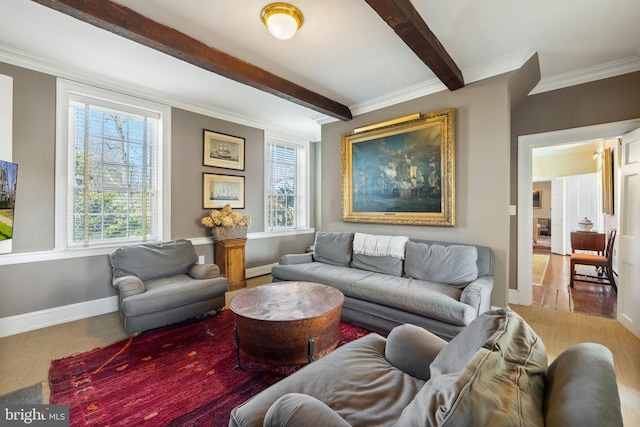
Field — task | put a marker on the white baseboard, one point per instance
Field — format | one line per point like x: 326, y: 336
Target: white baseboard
x: 54, y: 316
x: 260, y: 270
x: 68, y: 313
x: 513, y: 296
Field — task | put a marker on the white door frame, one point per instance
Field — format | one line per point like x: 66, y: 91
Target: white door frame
x: 526, y: 143
x: 629, y: 247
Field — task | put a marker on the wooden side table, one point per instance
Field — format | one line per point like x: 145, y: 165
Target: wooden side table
x: 229, y: 256
x: 588, y: 241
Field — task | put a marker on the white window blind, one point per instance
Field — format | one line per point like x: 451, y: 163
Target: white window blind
x: 286, y: 181
x: 113, y: 175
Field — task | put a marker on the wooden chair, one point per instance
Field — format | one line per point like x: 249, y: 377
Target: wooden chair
x: 603, y: 262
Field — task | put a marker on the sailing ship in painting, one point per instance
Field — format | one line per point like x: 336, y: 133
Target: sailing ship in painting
x: 224, y: 151
x: 221, y: 151
x: 224, y: 191
x: 398, y: 173
x: 400, y: 178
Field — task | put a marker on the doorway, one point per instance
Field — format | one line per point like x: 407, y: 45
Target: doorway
x: 523, y: 295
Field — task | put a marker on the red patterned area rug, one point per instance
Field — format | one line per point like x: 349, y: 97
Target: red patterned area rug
x: 175, y: 376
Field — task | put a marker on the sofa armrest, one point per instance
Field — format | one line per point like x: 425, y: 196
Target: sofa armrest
x: 204, y: 271
x: 581, y: 388
x: 301, y: 410
x: 290, y: 259
x: 478, y: 294
x: 411, y: 349
x: 128, y: 285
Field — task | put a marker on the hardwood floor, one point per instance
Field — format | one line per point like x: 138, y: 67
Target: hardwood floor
x: 586, y: 298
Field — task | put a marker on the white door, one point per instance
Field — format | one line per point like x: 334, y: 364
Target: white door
x: 629, y: 234
x: 557, y: 216
x: 581, y: 201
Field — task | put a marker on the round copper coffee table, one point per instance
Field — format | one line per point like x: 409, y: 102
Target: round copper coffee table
x: 287, y: 323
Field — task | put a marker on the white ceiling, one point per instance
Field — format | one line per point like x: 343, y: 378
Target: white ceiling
x: 344, y: 51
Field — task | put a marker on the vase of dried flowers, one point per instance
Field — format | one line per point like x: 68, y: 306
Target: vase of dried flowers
x: 226, y: 223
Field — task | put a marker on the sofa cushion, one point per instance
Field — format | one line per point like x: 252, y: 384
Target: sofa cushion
x: 432, y: 300
x: 173, y: 291
x: 501, y: 385
x: 378, y: 264
x: 153, y: 260
x: 333, y: 248
x: 454, y: 265
x: 369, y: 388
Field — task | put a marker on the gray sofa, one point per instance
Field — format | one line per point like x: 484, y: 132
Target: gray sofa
x: 161, y: 283
x: 439, y: 286
x: 494, y: 373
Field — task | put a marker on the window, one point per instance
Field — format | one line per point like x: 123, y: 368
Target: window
x: 287, y: 181
x: 110, y: 169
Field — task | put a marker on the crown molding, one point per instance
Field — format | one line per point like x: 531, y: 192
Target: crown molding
x: 493, y: 68
x: 498, y: 66
x: 490, y: 69
x: 598, y: 72
x: 26, y: 60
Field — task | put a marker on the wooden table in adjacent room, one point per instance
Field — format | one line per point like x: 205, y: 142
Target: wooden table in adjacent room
x: 287, y: 323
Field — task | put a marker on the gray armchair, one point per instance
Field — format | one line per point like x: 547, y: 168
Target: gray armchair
x: 161, y: 283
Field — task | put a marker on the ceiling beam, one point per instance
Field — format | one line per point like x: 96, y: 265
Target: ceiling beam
x: 129, y: 24
x: 405, y: 20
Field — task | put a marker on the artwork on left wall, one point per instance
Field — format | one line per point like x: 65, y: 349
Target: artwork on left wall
x: 8, y: 186
x: 220, y: 190
x: 223, y: 151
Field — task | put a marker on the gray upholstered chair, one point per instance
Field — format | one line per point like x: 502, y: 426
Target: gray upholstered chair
x: 161, y: 283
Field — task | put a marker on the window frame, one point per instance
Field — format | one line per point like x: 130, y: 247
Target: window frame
x: 65, y: 90
x: 303, y: 172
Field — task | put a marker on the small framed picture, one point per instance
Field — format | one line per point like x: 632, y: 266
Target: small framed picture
x: 537, y: 203
x: 219, y: 190
x: 223, y: 151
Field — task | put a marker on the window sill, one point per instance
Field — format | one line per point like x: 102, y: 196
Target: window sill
x: 61, y: 254
x: 258, y: 235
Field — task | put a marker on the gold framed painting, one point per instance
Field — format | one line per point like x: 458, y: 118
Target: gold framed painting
x: 537, y: 199
x: 401, y: 171
x: 223, y: 151
x: 219, y: 190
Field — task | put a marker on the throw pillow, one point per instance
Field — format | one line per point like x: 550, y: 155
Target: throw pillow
x: 454, y: 265
x: 501, y: 385
x: 463, y: 347
x: 333, y: 248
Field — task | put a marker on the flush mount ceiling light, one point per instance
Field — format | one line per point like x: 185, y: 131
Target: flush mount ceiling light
x: 282, y: 19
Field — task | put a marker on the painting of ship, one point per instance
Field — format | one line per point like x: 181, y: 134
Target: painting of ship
x: 398, y: 173
x: 221, y: 151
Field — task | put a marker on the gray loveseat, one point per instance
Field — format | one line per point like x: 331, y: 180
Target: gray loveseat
x: 161, y: 283
x: 494, y: 373
x: 439, y: 286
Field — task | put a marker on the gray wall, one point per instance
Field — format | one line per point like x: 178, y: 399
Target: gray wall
x: 490, y: 115
x: 482, y: 176
x: 34, y: 286
x: 603, y: 101
x: 186, y: 155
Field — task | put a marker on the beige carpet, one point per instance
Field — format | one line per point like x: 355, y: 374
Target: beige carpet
x: 560, y: 330
x: 540, y: 264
